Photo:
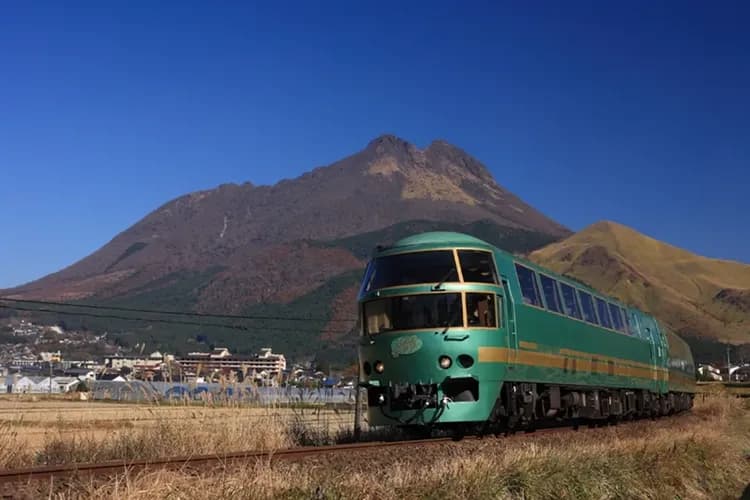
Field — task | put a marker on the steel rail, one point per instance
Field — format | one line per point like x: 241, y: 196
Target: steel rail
x: 119, y: 466
x: 190, y: 461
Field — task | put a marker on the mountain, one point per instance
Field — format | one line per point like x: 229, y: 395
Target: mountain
x: 295, y: 248
x: 705, y: 300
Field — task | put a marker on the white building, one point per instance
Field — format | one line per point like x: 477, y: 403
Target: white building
x: 220, y: 359
x: 27, y: 384
x: 154, y: 360
x: 50, y: 356
x: 24, y: 362
x: 59, y: 385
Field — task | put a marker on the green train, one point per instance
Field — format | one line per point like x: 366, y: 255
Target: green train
x: 460, y: 335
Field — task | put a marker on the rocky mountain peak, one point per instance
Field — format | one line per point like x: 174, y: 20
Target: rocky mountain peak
x: 389, y: 143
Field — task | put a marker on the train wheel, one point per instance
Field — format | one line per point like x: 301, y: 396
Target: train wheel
x: 458, y: 432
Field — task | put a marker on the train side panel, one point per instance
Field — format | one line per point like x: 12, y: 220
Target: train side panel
x: 680, y: 364
x: 554, y: 348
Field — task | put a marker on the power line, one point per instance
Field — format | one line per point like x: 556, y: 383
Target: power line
x: 173, y: 313
x: 158, y: 320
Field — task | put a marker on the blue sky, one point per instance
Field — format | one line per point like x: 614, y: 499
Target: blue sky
x: 637, y: 112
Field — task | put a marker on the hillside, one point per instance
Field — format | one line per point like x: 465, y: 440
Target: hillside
x: 296, y: 248
x: 698, y: 297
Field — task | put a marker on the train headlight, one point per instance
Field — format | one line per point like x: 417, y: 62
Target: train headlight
x: 445, y: 362
x: 379, y: 367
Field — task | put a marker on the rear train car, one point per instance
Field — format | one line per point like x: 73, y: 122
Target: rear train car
x: 457, y: 333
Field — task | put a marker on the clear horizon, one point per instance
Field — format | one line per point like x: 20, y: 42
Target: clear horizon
x: 636, y: 114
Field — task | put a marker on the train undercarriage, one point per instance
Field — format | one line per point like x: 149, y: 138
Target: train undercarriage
x: 527, y: 406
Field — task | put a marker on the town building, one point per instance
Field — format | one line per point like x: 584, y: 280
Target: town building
x: 27, y: 384
x: 50, y: 357
x: 42, y: 385
x: 58, y: 385
x: 24, y: 362
x: 135, y: 363
x: 267, y: 363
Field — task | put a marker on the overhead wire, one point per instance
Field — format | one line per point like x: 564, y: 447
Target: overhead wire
x: 174, y: 313
x: 161, y: 320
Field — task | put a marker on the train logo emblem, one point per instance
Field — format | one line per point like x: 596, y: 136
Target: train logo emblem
x: 405, y: 345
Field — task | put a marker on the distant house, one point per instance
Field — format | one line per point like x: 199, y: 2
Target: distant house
x: 740, y: 373
x: 59, y: 385
x: 80, y: 373
x: 27, y: 384
x: 709, y: 372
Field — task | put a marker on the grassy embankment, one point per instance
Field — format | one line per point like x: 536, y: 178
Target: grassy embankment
x: 699, y: 455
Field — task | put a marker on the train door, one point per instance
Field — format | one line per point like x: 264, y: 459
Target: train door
x: 509, y: 325
x: 661, y: 358
x: 654, y: 357
x: 657, y: 353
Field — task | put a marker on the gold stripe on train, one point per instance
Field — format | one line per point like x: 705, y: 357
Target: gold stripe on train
x: 604, y: 365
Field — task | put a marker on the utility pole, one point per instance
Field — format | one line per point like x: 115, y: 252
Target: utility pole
x: 50, y: 375
x: 357, y: 393
x: 357, y: 409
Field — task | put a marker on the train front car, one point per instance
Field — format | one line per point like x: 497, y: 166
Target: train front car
x: 431, y: 305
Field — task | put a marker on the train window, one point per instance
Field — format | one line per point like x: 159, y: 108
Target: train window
x: 631, y: 324
x: 569, y: 301
x: 480, y: 308
x: 601, y: 308
x: 626, y: 318
x: 477, y: 266
x: 435, y: 266
x: 616, y: 313
x: 587, y: 305
x: 551, y: 297
x: 529, y: 289
x: 411, y: 312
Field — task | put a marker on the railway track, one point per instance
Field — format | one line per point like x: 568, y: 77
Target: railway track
x: 120, y: 466
x: 199, y: 461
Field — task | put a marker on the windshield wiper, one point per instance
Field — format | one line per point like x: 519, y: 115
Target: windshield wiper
x: 444, y: 279
x: 448, y: 323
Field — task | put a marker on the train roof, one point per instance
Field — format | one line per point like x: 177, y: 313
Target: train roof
x: 453, y: 239
x: 448, y: 238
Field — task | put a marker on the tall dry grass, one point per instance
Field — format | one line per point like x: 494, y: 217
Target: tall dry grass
x: 12, y: 449
x: 154, y: 432
x: 168, y: 438
x: 697, y: 456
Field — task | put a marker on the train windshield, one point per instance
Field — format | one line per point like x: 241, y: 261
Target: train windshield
x: 437, y: 266
x: 412, y: 312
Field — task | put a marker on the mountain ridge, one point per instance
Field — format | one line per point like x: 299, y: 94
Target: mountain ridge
x: 246, y: 247
x: 696, y: 296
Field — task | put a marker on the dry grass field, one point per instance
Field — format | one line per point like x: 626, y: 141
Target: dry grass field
x: 34, y: 431
x: 713, y: 388
x: 701, y: 455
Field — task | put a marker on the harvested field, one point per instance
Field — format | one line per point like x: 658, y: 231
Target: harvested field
x: 698, y: 455
x: 737, y: 389
x: 34, y: 432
